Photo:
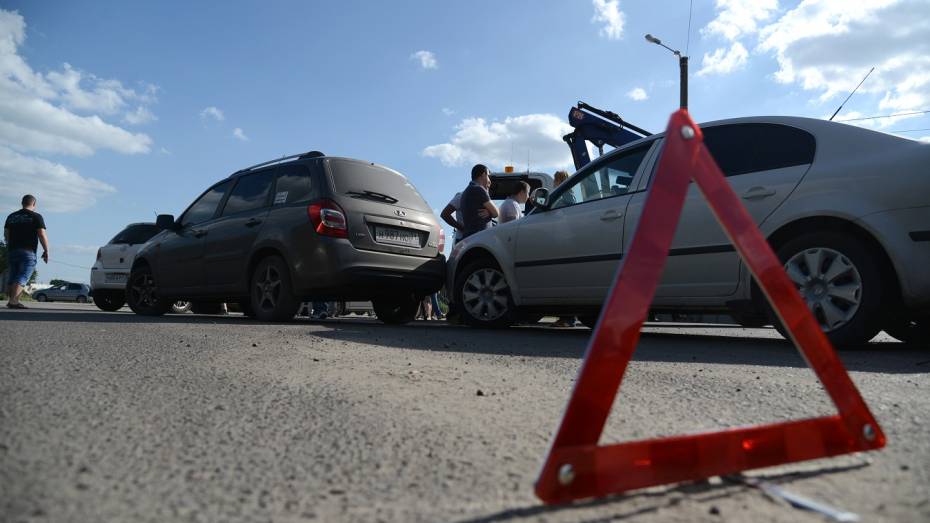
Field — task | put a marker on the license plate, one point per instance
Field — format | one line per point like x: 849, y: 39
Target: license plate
x: 116, y: 277
x: 394, y: 236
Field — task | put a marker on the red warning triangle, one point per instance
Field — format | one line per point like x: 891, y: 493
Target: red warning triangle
x: 576, y: 467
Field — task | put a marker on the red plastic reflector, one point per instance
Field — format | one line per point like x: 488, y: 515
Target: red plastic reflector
x: 576, y: 467
x: 328, y: 219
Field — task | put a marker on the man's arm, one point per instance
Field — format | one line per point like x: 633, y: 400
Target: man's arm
x: 491, y: 208
x: 43, y: 239
x: 447, y: 216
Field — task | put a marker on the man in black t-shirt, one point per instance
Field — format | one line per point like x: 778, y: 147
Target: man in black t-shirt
x: 477, y: 208
x: 22, y: 232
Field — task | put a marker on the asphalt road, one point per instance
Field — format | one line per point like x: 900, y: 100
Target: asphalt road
x: 115, y: 417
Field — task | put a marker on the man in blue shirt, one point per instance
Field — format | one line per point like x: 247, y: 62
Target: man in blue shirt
x: 476, y: 205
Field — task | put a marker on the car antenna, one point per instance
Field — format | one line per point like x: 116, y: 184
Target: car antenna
x: 850, y: 95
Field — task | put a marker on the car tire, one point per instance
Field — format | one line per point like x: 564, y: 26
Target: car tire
x: 109, y: 300
x: 397, y: 310
x: 180, y: 307
x: 482, y: 296
x: 206, y: 308
x: 81, y: 299
x: 142, y: 293
x: 41, y: 297
x: 272, y: 296
x: 913, y: 331
x: 845, y: 292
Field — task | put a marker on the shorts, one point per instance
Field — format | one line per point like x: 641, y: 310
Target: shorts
x: 22, y: 265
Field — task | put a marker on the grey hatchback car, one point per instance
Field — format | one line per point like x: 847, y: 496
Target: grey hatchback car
x: 304, y: 227
x: 77, y: 292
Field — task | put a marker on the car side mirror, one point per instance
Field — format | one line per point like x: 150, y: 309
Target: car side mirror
x: 540, y: 197
x: 165, y: 222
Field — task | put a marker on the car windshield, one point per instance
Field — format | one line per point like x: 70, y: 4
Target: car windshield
x: 135, y: 234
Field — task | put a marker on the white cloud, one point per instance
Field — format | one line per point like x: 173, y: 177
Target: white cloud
x: 212, y: 113
x: 238, y: 133
x: 77, y: 249
x: 164, y: 150
x: 827, y: 46
x: 724, y: 61
x: 736, y: 18
x: 426, y: 58
x: 447, y: 111
x: 608, y: 12
x: 140, y: 116
x: 637, y: 94
x: 924, y: 139
x: 56, y: 187
x: 477, y: 140
x: 60, y: 112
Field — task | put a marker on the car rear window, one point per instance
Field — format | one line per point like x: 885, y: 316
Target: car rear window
x: 135, y: 234
x: 366, y: 181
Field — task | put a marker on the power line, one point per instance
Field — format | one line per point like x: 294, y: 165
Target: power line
x: 884, y: 116
x: 70, y: 264
x: 688, y: 40
x: 909, y: 130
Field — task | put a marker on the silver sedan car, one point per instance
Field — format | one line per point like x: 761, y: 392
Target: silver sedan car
x: 846, y: 209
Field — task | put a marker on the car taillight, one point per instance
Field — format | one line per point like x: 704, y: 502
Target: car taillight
x: 328, y: 219
x: 442, y: 239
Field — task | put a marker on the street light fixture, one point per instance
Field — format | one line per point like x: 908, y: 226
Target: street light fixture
x: 682, y: 66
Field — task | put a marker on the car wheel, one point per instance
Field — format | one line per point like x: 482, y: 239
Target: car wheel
x: 398, y: 310
x: 41, y: 297
x: 180, y: 307
x: 272, y: 295
x: 81, y: 299
x: 483, y: 295
x: 909, y: 330
x: 840, y: 282
x: 109, y: 300
x: 142, y: 293
x: 206, y: 308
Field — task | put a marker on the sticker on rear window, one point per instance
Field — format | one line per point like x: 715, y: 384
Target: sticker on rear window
x: 280, y: 197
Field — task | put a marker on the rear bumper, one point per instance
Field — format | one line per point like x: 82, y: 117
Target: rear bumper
x: 334, y: 269
x: 98, y: 278
x: 904, y: 233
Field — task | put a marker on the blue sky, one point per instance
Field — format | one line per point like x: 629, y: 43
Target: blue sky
x: 113, y: 111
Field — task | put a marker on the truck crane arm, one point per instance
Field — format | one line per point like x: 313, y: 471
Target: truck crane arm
x: 599, y: 127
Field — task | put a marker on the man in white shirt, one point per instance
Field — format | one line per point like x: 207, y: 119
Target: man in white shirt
x: 512, y: 208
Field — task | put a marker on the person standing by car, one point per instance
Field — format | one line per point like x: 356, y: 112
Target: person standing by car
x: 511, y: 208
x: 477, y: 207
x: 22, y: 232
x: 453, y: 216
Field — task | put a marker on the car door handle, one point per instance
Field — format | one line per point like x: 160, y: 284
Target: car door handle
x: 253, y: 222
x: 758, y: 192
x: 611, y: 215
x: 199, y: 233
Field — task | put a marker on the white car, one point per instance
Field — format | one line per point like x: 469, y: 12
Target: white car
x: 847, y: 210
x: 110, y: 272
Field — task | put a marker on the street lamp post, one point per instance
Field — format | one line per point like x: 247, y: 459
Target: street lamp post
x: 682, y: 67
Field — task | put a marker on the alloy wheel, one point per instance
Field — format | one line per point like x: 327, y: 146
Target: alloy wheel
x: 829, y: 283
x: 268, y: 288
x: 142, y: 290
x: 485, y: 294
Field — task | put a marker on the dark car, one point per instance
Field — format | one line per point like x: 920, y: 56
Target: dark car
x: 305, y: 227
